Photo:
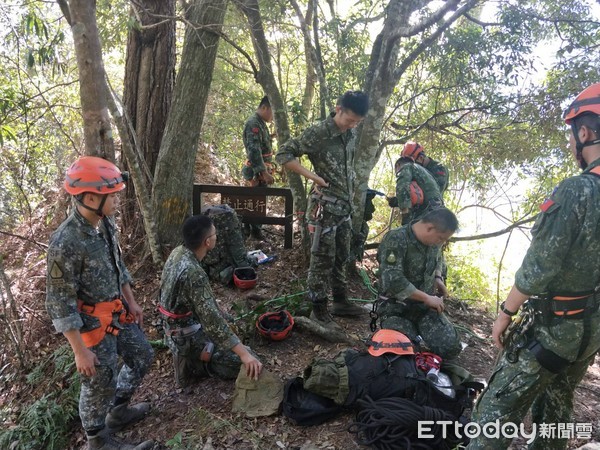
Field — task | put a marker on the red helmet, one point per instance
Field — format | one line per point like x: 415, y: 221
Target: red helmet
x: 587, y: 101
x: 390, y: 341
x: 96, y: 175
x: 412, y: 150
x: 244, y: 277
x: 275, y: 325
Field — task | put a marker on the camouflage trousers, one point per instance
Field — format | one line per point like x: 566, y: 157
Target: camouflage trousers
x: 188, y: 367
x: 98, y: 392
x: 415, y: 319
x: 328, y: 261
x: 515, y: 387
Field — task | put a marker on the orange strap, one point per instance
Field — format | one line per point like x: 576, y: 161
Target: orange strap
x: 572, y: 312
x: 103, y: 311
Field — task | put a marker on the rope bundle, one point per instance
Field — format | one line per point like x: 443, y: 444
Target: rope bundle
x: 392, y: 424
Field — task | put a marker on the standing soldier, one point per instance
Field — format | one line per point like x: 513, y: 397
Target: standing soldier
x: 90, y: 301
x: 416, y: 152
x: 330, y: 148
x: 547, y: 353
x: 258, y: 169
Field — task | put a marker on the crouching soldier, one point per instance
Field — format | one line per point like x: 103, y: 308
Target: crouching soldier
x: 90, y: 301
x: 196, y: 330
x: 411, y: 287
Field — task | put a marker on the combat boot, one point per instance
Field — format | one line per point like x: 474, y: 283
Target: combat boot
x: 321, y: 315
x: 344, y: 307
x: 122, y: 415
x: 105, y: 440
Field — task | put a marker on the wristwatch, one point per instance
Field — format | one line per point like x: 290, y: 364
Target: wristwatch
x: 506, y: 311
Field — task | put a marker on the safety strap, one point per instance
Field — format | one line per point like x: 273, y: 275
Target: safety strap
x: 547, y: 358
x: 185, y: 331
x: 312, y: 228
x: 172, y: 315
x: 594, y: 171
x: 105, y: 312
x: 327, y: 198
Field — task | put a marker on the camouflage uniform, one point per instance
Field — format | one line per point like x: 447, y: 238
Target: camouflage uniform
x: 439, y: 173
x: 85, y: 263
x: 259, y: 154
x: 564, y: 257
x: 229, y: 252
x: 185, y: 289
x: 405, y: 265
x: 431, y: 192
x: 331, y: 153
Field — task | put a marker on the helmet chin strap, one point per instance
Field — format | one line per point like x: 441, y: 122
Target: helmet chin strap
x: 579, y: 146
x: 98, y: 210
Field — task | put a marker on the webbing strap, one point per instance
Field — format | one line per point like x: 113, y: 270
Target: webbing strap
x: 172, y: 315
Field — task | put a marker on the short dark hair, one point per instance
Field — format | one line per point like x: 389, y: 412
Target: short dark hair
x: 442, y: 219
x: 402, y: 161
x: 590, y: 120
x: 355, y: 101
x: 195, y: 230
x: 264, y: 102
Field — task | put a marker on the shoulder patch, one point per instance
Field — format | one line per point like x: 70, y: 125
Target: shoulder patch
x: 391, y: 258
x: 55, y: 271
x: 255, y: 130
x: 546, y: 205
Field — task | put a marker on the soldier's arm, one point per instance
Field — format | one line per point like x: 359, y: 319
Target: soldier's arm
x: 393, y: 281
x: 85, y: 359
x: 403, y: 179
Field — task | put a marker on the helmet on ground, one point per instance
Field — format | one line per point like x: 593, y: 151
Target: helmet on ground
x: 412, y: 150
x: 416, y: 194
x: 390, y: 341
x: 95, y: 175
x: 588, y: 101
x: 244, y: 277
x: 275, y: 325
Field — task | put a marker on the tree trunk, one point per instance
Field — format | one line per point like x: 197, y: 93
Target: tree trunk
x: 148, y: 91
x: 92, y: 87
x: 174, y: 175
x: 266, y: 79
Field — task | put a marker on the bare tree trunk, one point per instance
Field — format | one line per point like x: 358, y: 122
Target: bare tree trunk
x: 9, y: 319
x: 92, y: 87
x: 266, y: 79
x: 311, y: 75
x: 174, y: 176
x: 148, y: 90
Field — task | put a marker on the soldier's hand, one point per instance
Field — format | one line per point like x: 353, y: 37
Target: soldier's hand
x: 136, y: 311
x: 86, y: 361
x: 500, y: 325
x: 320, y: 182
x: 266, y: 177
x: 253, y: 366
x: 435, y: 303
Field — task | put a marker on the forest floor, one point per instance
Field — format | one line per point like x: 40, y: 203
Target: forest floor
x: 200, y: 417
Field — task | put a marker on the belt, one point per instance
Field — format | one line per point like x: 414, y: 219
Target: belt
x: 185, y: 331
x: 172, y: 315
x: 327, y: 198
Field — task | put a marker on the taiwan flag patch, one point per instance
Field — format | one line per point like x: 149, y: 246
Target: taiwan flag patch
x: 548, y: 202
x: 255, y: 130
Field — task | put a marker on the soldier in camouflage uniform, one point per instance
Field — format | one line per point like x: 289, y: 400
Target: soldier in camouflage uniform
x: 416, y: 190
x: 438, y: 171
x: 229, y: 253
x: 410, y: 281
x: 560, y: 280
x: 196, y: 330
x: 330, y: 148
x: 85, y: 274
x: 258, y: 168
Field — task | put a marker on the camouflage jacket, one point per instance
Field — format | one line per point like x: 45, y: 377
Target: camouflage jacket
x: 83, y: 263
x: 405, y: 264
x: 331, y: 153
x: 439, y: 173
x: 564, y: 255
x: 259, y: 148
x: 184, y: 287
x: 414, y: 172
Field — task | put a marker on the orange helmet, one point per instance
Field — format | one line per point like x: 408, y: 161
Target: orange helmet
x: 587, y: 101
x: 96, y: 175
x: 275, y: 325
x: 416, y: 194
x: 244, y: 277
x: 412, y: 150
x: 390, y: 341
